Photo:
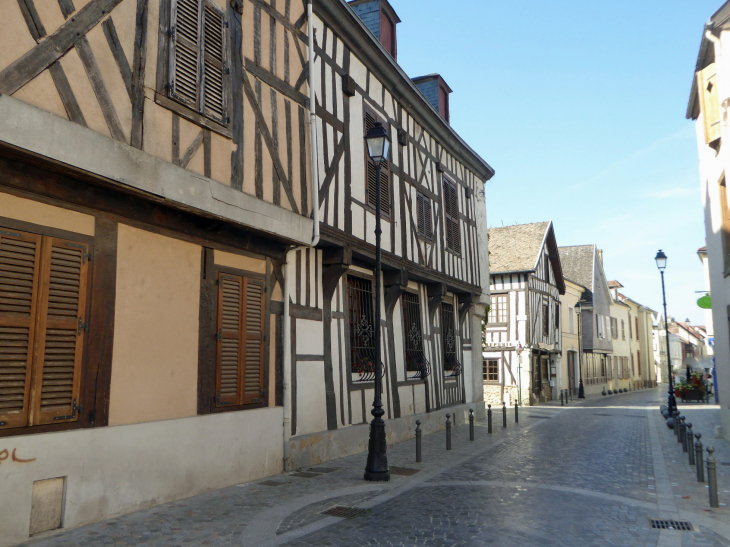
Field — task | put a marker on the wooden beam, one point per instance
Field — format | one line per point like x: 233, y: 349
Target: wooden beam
x: 138, y: 74
x: 273, y: 81
x: 118, y: 53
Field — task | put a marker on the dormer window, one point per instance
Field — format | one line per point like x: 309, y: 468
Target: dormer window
x: 436, y: 91
x: 380, y: 17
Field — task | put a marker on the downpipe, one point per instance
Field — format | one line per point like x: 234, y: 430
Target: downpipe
x: 313, y: 127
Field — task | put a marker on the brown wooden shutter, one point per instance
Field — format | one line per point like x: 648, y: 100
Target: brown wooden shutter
x: 184, y: 52
x: 254, y: 362
x: 636, y: 322
x: 60, y: 331
x: 214, y: 62
x: 19, y: 267
x: 451, y: 208
x: 230, y: 323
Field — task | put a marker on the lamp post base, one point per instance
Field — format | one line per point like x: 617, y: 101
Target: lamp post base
x: 376, y: 469
x: 581, y: 393
x: 671, y: 402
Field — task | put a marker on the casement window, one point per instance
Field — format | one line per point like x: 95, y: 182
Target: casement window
x: 198, y: 57
x: 545, y: 320
x: 425, y: 222
x: 490, y: 370
x: 571, y: 321
x: 362, y: 331
x: 43, y: 324
x: 614, y: 328
x: 623, y: 330
x: 240, y: 337
x: 499, y: 310
x: 452, y: 367
x: 416, y: 361
x: 451, y: 211
x: 370, y: 118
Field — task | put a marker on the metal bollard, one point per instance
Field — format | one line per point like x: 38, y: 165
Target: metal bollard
x: 418, y: 441
x: 675, y: 415
x: 682, y: 432
x: 690, y: 445
x: 698, y: 458
x: 448, y: 432
x: 712, y: 477
x: 571, y: 395
x: 517, y: 412
x: 566, y: 397
x: 489, y: 418
x: 504, y: 414
x: 561, y: 397
x: 471, y: 424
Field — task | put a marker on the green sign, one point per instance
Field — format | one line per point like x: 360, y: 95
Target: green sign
x: 705, y: 302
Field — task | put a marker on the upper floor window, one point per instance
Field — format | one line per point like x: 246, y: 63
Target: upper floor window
x: 557, y: 316
x: 631, y: 335
x: 499, y: 310
x: 545, y: 320
x: 636, y: 322
x: 451, y: 210
x: 725, y: 226
x: 370, y: 118
x: 599, y: 326
x: 425, y: 225
x: 198, y: 57
x: 623, y: 330
x: 614, y: 328
x: 547, y: 268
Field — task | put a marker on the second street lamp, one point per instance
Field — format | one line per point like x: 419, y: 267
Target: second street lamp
x: 581, y: 392
x: 376, y: 469
x: 661, y: 263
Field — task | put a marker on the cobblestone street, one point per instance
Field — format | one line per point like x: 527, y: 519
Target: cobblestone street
x: 590, y: 474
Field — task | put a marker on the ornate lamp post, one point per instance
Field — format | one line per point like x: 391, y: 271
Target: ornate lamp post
x: 581, y: 393
x: 661, y: 263
x: 378, y: 144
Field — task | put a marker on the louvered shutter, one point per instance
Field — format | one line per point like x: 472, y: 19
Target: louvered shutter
x: 60, y: 331
x: 19, y: 267
x: 214, y: 68
x: 230, y: 323
x: 254, y: 360
x: 451, y: 208
x: 185, y: 48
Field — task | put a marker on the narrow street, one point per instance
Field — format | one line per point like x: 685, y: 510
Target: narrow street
x: 591, y: 473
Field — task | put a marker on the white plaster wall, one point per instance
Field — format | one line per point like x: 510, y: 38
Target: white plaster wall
x: 116, y: 470
x: 311, y: 397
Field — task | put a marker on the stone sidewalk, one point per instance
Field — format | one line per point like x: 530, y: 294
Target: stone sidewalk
x: 592, y: 473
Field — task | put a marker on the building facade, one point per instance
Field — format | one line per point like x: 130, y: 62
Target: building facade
x: 523, y: 342
x: 187, y: 250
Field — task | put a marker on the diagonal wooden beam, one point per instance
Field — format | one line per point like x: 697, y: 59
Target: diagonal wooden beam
x: 407, y: 199
x: 27, y: 67
x: 32, y: 19
x: 266, y: 135
x: 67, y: 7
x: 139, y: 64
x: 331, y: 170
x: 118, y: 53
x: 73, y: 110
x: 192, y: 149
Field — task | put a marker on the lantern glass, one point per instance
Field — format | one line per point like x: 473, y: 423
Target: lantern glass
x: 378, y: 143
x: 661, y: 260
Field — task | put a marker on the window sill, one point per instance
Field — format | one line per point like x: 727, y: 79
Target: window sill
x: 192, y: 116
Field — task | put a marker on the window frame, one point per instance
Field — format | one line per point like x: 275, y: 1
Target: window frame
x: 450, y: 190
x: 486, y: 371
x: 348, y: 329
x: 545, y: 319
x: 386, y: 216
x: 424, y: 206
x: 495, y: 309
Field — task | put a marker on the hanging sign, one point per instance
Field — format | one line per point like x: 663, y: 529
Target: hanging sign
x: 705, y: 302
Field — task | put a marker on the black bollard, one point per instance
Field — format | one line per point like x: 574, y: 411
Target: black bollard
x: 448, y: 432
x: 561, y: 397
x: 471, y: 424
x: 517, y: 413
x: 682, y: 433
x: 712, y: 477
x: 690, y: 445
x: 489, y: 418
x: 504, y: 414
x: 566, y: 397
x: 571, y: 395
x: 418, y: 441
x: 675, y: 415
x: 698, y: 458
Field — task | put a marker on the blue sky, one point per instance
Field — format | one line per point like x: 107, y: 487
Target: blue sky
x: 580, y: 108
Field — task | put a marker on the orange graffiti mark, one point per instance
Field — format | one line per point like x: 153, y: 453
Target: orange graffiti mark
x: 4, y: 455
x: 20, y: 460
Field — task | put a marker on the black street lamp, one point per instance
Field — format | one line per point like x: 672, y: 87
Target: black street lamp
x: 661, y: 263
x: 581, y: 392
x: 376, y: 469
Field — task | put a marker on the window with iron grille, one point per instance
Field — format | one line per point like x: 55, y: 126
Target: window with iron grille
x: 451, y: 211
x: 425, y: 226
x: 370, y: 118
x: 490, y: 370
x: 416, y: 361
x: 198, y: 57
x: 452, y: 367
x: 499, y: 310
x: 362, y: 329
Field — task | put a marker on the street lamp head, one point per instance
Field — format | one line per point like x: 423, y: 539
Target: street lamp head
x: 378, y: 143
x: 661, y: 260
x: 577, y: 307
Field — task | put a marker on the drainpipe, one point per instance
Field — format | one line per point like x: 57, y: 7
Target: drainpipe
x: 313, y: 127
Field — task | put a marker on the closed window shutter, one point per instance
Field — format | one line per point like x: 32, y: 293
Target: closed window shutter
x: 60, y: 332
x: 636, y: 320
x: 184, y: 52
x: 230, y: 291
x: 451, y: 208
x: 214, y: 69
x: 254, y: 362
x: 425, y: 227
x: 19, y: 267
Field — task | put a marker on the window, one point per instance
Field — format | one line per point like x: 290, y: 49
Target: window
x: 199, y: 57
x: 631, y: 334
x: 547, y: 267
x: 545, y: 320
x: 452, y: 367
x: 725, y: 226
x: 44, y: 286
x: 614, y: 328
x: 632, y: 364
x: 709, y: 102
x: 499, y: 310
x: 571, y: 321
x: 415, y: 359
x: 240, y: 352
x: 623, y: 330
x: 599, y: 326
x: 557, y: 316
x: 451, y: 209
x: 425, y: 226
x: 362, y: 332
x: 638, y: 361
x: 490, y: 370
x: 370, y: 119
x: 636, y: 320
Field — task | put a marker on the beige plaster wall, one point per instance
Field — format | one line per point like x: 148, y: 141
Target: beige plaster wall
x: 35, y: 212
x: 155, y: 359
x: 115, y: 470
x: 240, y: 262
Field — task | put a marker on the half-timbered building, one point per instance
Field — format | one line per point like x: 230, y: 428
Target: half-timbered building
x: 522, y: 342
x: 187, y: 249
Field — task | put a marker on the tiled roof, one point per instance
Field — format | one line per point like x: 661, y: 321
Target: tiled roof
x: 578, y: 264
x: 515, y: 248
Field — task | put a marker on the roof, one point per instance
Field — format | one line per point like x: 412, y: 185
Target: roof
x: 614, y: 285
x: 719, y: 21
x: 577, y: 264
